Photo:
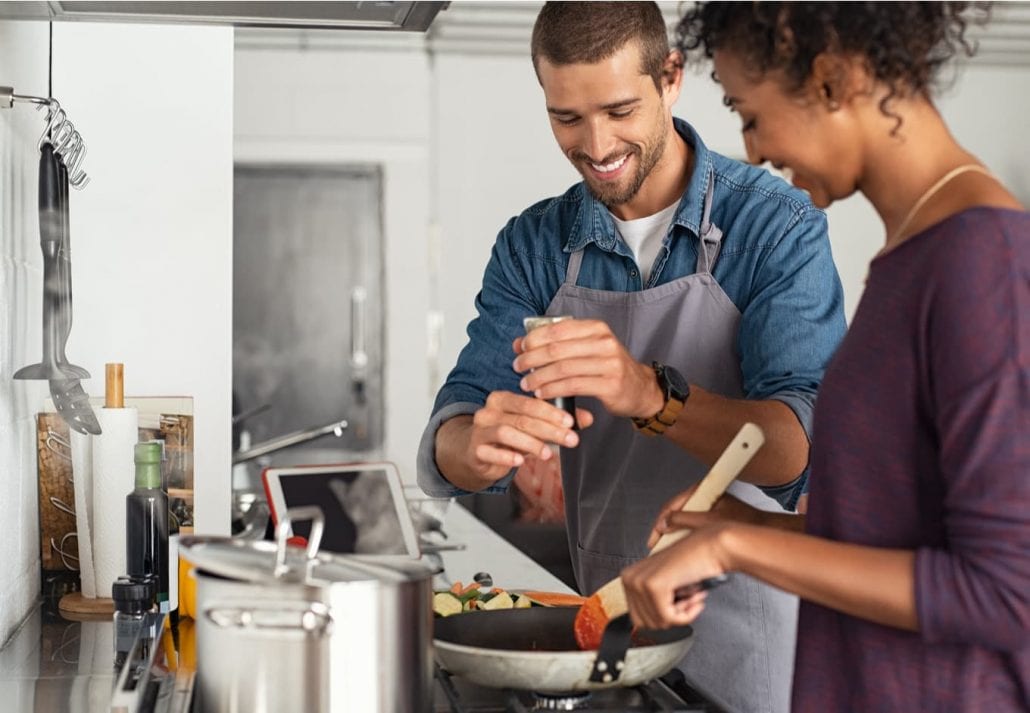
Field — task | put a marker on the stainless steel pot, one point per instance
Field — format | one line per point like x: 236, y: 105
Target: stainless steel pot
x: 283, y: 630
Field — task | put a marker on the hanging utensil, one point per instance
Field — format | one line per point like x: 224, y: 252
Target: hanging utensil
x: 64, y: 279
x: 609, y: 602
x: 70, y: 399
x: 50, y: 230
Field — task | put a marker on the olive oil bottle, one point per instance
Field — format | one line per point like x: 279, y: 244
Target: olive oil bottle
x: 146, y: 522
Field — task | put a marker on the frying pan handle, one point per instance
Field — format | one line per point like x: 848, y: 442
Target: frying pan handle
x: 283, y: 529
x: 737, y: 455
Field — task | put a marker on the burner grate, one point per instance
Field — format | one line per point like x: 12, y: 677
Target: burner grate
x: 673, y: 695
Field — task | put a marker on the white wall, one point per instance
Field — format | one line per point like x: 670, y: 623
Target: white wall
x: 495, y: 157
x: 152, y: 232
x: 152, y: 255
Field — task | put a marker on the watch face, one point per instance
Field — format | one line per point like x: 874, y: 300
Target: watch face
x: 678, y: 386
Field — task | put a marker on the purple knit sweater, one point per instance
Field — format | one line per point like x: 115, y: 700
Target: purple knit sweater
x: 922, y: 442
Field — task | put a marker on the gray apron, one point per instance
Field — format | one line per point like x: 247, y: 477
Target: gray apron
x: 616, y: 481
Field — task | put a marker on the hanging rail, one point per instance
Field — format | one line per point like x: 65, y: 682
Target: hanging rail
x: 60, y: 132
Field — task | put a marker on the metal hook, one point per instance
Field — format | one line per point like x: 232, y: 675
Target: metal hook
x: 63, y: 138
x: 59, y: 132
x: 72, y: 155
x: 69, y: 146
x: 77, y: 178
x: 66, y: 141
x: 55, y: 110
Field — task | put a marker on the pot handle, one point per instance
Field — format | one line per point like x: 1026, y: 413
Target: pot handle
x: 313, y: 619
x: 283, y: 529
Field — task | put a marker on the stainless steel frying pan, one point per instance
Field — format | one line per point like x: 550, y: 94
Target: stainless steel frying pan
x: 535, y: 649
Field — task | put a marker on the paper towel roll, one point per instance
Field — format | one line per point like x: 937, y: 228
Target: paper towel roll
x: 113, y: 478
x: 82, y: 477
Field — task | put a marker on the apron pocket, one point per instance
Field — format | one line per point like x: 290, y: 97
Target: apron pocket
x: 594, y: 568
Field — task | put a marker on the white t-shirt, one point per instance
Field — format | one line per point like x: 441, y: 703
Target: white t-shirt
x: 644, y: 236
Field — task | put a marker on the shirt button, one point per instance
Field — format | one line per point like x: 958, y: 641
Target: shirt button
x: 632, y: 273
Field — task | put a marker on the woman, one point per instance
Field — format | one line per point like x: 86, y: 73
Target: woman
x: 913, y: 560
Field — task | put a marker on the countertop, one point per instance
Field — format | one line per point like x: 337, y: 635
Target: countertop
x: 52, y: 664
x: 486, y: 551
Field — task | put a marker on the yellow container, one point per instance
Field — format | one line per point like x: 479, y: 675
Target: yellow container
x: 187, y: 584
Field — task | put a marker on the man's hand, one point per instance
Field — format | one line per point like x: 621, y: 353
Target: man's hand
x: 475, y: 452
x: 581, y: 357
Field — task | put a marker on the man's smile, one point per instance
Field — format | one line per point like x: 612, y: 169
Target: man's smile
x: 608, y: 170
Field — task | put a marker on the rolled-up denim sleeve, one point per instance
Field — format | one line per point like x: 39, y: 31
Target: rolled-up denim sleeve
x: 430, y: 479
x: 485, y: 364
x: 793, y: 323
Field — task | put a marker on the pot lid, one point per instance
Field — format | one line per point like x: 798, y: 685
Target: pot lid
x: 260, y: 561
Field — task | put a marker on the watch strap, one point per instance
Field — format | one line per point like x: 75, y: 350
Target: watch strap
x: 656, y: 425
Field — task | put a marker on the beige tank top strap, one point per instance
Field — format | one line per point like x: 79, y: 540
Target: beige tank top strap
x: 932, y: 190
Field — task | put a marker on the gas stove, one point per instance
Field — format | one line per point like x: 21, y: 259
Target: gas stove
x: 670, y: 693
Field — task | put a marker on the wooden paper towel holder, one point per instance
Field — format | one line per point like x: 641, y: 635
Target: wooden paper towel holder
x: 73, y: 604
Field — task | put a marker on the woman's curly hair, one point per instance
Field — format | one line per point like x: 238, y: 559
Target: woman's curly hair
x: 904, y: 43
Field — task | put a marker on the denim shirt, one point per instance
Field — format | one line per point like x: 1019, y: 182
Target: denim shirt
x: 775, y: 265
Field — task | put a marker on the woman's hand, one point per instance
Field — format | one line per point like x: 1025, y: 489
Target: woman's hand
x: 651, y: 584
x: 726, y: 509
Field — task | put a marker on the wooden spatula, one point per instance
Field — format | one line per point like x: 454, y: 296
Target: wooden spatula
x: 609, y: 601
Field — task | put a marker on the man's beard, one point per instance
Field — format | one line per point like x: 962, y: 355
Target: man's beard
x: 613, y: 195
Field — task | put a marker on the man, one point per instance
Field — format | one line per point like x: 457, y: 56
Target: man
x: 704, y: 296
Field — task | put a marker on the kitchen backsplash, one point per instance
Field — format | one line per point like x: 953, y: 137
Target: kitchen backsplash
x: 23, y: 65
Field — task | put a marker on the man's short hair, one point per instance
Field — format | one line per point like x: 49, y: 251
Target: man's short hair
x: 588, y: 32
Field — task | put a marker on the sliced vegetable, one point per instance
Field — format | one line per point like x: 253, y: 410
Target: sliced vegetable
x: 446, y: 604
x: 499, y: 601
x: 469, y: 595
x: 555, y: 599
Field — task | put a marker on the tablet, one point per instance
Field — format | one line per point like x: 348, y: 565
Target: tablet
x: 363, y: 503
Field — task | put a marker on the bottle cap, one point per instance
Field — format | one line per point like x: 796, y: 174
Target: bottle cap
x: 133, y: 596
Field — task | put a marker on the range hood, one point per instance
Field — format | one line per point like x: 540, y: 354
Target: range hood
x: 403, y: 16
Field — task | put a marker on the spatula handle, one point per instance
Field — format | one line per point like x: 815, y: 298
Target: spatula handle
x: 737, y: 455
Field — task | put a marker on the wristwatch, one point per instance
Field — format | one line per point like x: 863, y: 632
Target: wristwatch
x: 676, y: 391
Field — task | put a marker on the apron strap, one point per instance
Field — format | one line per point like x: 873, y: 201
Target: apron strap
x: 711, y: 235
x: 711, y: 242
x: 572, y: 272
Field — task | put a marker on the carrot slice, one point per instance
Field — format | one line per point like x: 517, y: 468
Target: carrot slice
x: 555, y: 599
x: 456, y: 588
x: 469, y: 588
x: 590, y: 623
